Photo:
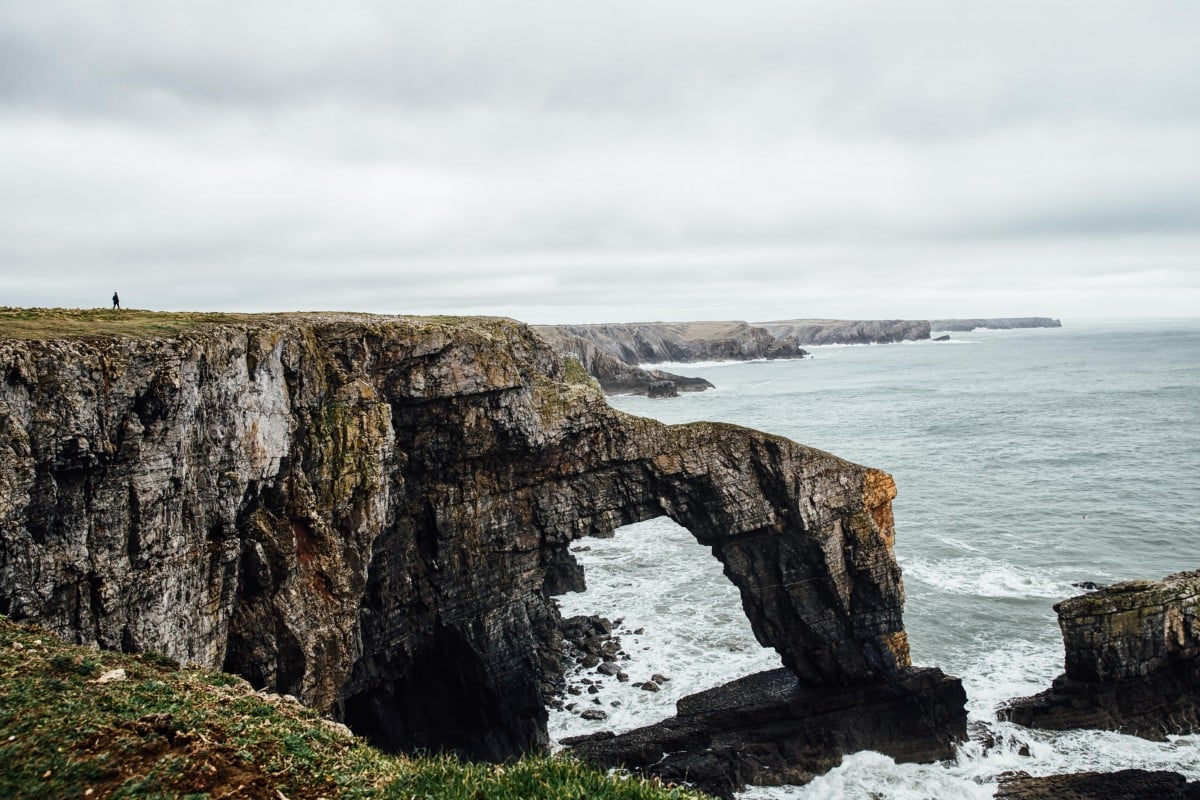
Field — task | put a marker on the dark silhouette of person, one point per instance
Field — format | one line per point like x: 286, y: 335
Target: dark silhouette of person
x: 116, y: 302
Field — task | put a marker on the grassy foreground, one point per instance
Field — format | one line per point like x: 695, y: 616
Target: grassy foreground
x: 69, y: 728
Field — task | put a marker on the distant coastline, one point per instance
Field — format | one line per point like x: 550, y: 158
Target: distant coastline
x: 616, y: 354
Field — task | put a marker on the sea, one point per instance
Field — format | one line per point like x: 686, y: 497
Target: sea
x: 1028, y: 462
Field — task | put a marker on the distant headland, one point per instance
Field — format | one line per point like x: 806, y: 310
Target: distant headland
x: 614, y: 352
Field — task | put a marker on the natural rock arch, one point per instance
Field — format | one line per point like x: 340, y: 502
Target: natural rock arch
x: 363, y: 512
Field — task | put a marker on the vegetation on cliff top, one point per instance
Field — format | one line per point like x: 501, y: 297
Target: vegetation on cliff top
x: 82, y: 323
x: 72, y: 726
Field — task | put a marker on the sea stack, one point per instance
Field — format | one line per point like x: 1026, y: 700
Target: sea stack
x: 1132, y: 661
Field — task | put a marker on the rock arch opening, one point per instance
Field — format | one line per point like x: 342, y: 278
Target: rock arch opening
x: 674, y: 616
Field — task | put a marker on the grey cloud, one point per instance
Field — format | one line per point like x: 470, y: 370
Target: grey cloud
x: 553, y: 159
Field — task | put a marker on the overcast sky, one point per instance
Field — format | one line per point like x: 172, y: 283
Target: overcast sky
x: 611, y: 160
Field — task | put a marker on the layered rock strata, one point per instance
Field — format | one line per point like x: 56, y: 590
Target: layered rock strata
x: 618, y: 377
x: 994, y: 323
x: 657, y: 342
x: 771, y: 728
x: 369, y: 513
x: 1132, y: 661
x: 848, y: 331
x: 1126, y: 784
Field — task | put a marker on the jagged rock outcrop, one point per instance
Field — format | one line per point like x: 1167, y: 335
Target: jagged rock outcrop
x: 994, y: 323
x: 616, y: 376
x: 1126, y: 784
x: 1132, y: 661
x: 847, y: 331
x: 368, y: 513
x: 771, y: 729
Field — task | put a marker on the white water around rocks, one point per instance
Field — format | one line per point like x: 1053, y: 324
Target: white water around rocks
x: 1027, y: 461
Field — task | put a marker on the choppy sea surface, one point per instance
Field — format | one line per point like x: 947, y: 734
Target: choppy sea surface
x: 1027, y: 461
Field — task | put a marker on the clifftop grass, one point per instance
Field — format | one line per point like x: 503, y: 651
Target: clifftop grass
x: 87, y: 323
x: 40, y: 323
x: 163, y: 732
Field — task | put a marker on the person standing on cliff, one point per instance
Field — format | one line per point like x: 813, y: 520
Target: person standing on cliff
x: 116, y: 302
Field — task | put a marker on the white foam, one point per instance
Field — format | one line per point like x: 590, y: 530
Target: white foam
x: 985, y: 577
x: 657, y: 578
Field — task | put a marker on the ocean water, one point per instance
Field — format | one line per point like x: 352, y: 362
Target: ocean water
x: 1026, y: 461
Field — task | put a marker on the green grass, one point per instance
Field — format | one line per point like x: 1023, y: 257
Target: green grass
x: 40, y: 323
x: 166, y: 732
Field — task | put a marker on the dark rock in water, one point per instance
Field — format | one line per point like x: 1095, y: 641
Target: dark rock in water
x: 770, y: 729
x: 943, y: 338
x: 662, y: 389
x: 594, y: 714
x: 1126, y: 784
x: 1089, y: 586
x: 1132, y: 662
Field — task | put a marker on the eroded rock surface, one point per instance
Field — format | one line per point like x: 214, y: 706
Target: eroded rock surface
x: 848, y: 331
x: 658, y: 342
x: 1126, y: 784
x: 368, y: 513
x: 994, y: 323
x: 771, y: 729
x: 1132, y: 661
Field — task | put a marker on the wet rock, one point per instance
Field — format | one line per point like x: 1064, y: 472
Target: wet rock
x: 594, y: 714
x: 608, y: 668
x: 659, y: 678
x: 1126, y: 784
x: 1132, y: 662
x: 648, y: 686
x: 662, y: 389
x: 770, y: 728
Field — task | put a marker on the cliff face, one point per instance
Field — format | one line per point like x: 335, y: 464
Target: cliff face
x: 655, y: 342
x: 994, y: 323
x: 614, y: 375
x: 846, y: 331
x: 367, y: 513
x: 1132, y: 661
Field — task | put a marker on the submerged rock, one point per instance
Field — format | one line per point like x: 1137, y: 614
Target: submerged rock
x: 1132, y: 661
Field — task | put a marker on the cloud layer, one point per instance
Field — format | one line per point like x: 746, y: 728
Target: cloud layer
x: 562, y: 161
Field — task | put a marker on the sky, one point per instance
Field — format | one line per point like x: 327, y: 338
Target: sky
x: 560, y: 161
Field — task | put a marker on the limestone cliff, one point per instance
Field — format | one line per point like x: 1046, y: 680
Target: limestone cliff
x: 656, y: 342
x: 367, y: 512
x: 994, y: 323
x: 848, y: 331
x: 1132, y: 661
